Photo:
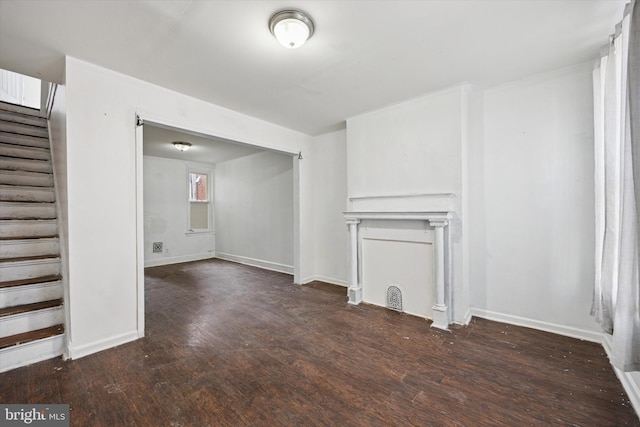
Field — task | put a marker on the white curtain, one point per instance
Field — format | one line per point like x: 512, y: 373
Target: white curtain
x: 616, y: 302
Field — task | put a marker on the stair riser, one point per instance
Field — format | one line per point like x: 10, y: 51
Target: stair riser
x: 7, y: 107
x: 28, y: 269
x: 23, y: 129
x: 27, y: 141
x: 24, y: 152
x: 27, y: 194
x: 23, y: 119
x: 26, y: 322
x: 31, y: 247
x: 26, y: 354
x: 25, y: 165
x: 28, y: 294
x: 26, y: 178
x: 19, y: 210
x: 27, y: 228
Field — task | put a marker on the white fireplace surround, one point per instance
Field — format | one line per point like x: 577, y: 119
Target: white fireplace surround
x: 399, y: 208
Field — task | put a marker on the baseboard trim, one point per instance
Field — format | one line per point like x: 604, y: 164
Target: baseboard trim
x: 568, y: 331
x: 466, y: 319
x: 331, y: 281
x: 156, y: 262
x: 96, y: 346
x: 267, y: 265
x: 630, y: 385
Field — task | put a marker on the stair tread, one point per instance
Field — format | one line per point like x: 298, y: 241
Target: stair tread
x: 30, y: 336
x: 49, y: 236
x: 30, y: 281
x: 14, y: 117
x: 26, y: 187
x: 21, y: 120
x: 29, y: 258
x: 30, y: 186
x: 29, y: 218
x: 32, y: 202
x: 26, y: 308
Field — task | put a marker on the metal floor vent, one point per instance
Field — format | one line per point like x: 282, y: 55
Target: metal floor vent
x: 394, y: 298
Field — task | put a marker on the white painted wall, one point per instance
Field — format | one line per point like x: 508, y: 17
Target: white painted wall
x: 254, y: 210
x: 331, y: 237
x: 531, y: 201
x: 101, y: 184
x: 58, y: 138
x: 415, y: 147
x: 166, y: 214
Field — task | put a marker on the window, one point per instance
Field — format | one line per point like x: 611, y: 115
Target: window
x: 199, y: 202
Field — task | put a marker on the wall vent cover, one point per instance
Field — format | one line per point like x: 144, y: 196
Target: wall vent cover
x: 157, y: 247
x: 394, y: 298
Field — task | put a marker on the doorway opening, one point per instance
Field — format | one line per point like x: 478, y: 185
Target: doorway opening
x: 250, y: 202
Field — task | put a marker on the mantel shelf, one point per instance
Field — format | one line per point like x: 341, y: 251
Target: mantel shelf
x: 406, y: 216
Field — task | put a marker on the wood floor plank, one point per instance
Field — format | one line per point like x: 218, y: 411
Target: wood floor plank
x: 231, y: 345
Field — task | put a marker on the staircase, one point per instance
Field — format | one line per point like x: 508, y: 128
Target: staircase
x: 31, y: 307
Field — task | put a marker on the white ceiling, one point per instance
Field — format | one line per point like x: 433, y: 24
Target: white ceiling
x: 158, y: 142
x: 363, y: 56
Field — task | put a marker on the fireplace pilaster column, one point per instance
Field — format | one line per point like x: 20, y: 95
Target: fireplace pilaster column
x: 355, y: 288
x: 440, y: 309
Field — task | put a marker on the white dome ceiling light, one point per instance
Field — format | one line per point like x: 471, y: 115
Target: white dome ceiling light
x: 291, y: 28
x: 182, y: 146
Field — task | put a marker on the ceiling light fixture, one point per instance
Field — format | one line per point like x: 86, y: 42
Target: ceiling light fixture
x: 182, y: 146
x: 291, y: 28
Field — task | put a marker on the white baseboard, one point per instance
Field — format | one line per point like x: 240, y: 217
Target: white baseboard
x: 267, y: 265
x: 466, y: 319
x: 177, y: 259
x: 331, y: 281
x: 629, y: 383
x: 568, y: 331
x: 94, y: 347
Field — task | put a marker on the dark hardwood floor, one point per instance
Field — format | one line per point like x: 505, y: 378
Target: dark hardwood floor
x: 230, y: 345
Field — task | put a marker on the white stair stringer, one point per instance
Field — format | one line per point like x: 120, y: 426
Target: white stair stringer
x: 25, y: 322
x: 32, y: 352
x: 29, y: 294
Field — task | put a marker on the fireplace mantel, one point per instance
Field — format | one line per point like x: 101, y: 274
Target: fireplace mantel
x: 438, y: 220
x: 406, y: 216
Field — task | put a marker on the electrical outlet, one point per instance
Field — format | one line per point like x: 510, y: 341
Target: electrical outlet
x: 157, y: 247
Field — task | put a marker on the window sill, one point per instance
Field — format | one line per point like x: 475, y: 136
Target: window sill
x: 199, y: 232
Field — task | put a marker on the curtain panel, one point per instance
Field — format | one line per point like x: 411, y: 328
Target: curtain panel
x: 616, y: 81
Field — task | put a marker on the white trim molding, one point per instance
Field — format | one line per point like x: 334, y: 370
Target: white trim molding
x: 568, y: 331
x: 267, y: 265
x: 404, y: 202
x: 177, y: 259
x: 96, y: 346
x: 329, y: 280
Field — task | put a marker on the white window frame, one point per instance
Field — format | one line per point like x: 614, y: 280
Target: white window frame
x: 209, y: 175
